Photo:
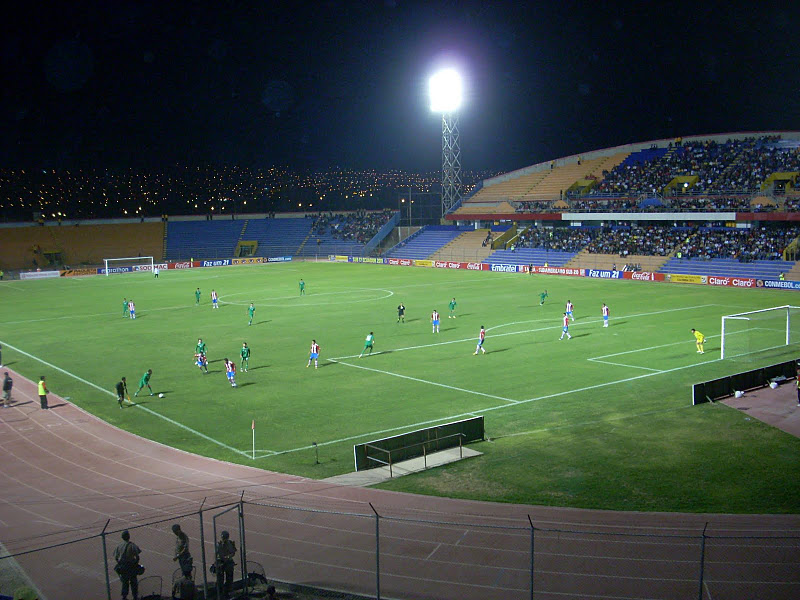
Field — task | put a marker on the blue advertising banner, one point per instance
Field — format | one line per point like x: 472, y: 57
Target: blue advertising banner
x: 604, y: 274
x: 774, y: 283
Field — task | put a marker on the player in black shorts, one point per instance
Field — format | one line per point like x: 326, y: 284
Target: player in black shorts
x: 401, y: 313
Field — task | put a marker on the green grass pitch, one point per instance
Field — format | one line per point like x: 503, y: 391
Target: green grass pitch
x: 603, y: 420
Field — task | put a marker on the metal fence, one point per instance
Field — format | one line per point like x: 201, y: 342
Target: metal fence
x: 391, y: 552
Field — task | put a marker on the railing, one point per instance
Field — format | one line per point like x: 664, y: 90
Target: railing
x: 389, y: 463
x: 375, y: 550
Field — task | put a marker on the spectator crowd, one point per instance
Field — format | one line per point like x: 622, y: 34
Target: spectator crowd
x: 359, y: 226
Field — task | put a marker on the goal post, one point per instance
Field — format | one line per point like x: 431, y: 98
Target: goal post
x: 128, y: 265
x: 759, y: 330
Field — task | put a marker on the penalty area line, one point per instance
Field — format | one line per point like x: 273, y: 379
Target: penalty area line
x: 139, y: 406
x: 608, y: 362
x: 444, y: 385
x: 480, y: 411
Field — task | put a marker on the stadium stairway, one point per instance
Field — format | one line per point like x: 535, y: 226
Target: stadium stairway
x: 467, y: 247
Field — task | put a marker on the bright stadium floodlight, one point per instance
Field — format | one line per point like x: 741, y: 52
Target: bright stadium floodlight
x: 446, y: 92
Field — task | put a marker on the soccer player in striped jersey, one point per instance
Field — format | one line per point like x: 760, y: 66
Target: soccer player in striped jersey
x: 314, y: 354
x: 214, y: 299
x: 230, y: 371
x: 605, y: 315
x: 565, y: 328
x: 435, y: 321
x: 569, y: 309
x: 132, y: 309
x: 481, y: 337
x: 201, y: 361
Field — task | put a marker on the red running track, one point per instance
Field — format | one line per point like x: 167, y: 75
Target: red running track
x: 65, y: 473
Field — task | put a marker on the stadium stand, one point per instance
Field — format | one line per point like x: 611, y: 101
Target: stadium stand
x: 74, y: 245
x: 277, y: 237
x: 531, y: 256
x: 725, y: 267
x: 467, y: 247
x: 202, y: 239
x: 426, y: 241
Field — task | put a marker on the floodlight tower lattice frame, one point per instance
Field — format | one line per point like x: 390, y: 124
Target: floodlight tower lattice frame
x: 451, y: 162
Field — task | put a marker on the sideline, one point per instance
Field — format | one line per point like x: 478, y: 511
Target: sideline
x: 139, y: 406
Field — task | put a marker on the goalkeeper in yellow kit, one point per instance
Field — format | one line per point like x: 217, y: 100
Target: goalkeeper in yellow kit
x: 700, y: 340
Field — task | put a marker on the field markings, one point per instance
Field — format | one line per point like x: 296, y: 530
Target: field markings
x: 616, y: 364
x: 548, y: 328
x: 444, y: 385
x: 139, y: 406
x: 480, y: 411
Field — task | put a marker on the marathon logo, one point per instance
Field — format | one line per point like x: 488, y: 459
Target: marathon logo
x: 504, y: 268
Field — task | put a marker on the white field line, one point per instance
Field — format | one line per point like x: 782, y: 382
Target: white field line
x: 608, y: 362
x: 484, y: 410
x: 417, y: 379
x: 139, y: 406
x: 548, y: 328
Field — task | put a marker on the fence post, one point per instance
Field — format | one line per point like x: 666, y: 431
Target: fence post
x: 377, y: 553
x: 203, y: 550
x: 702, y: 562
x: 105, y: 559
x: 242, y: 544
x: 533, y: 530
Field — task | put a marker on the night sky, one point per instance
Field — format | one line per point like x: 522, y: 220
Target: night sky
x: 318, y: 85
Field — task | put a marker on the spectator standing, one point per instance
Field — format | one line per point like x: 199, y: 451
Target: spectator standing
x: 43, y: 391
x: 127, y: 556
x: 182, y: 554
x: 226, y: 550
x: 8, y: 383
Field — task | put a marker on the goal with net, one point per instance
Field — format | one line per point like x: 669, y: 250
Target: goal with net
x: 128, y: 265
x: 759, y: 330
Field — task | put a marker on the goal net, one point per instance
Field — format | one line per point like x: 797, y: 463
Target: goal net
x: 759, y: 330
x: 128, y: 265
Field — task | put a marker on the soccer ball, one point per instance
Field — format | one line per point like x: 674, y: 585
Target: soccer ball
x: 738, y: 394
x: 161, y: 395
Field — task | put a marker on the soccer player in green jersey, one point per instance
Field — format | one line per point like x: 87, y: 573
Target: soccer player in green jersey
x: 245, y: 352
x: 125, y: 312
x: 452, y: 314
x: 145, y: 381
x: 201, y: 347
x: 542, y: 297
x: 302, y: 288
x: 197, y: 294
x: 251, y: 311
x: 368, y: 344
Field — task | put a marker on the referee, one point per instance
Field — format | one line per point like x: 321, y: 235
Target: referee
x: 122, y: 391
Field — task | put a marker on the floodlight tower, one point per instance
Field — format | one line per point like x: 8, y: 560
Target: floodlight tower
x: 445, y: 91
